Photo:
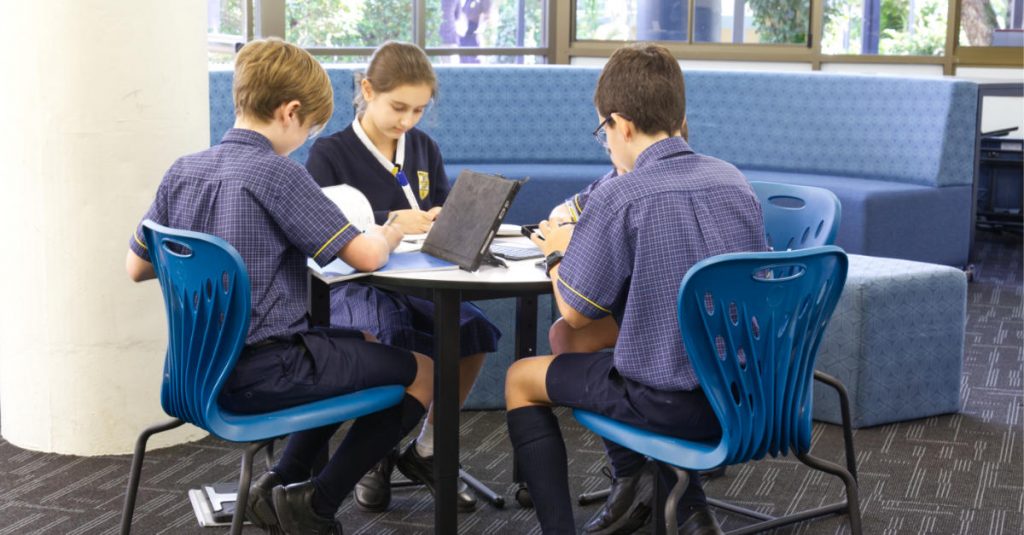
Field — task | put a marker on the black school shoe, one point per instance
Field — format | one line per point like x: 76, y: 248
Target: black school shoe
x: 260, y: 505
x: 294, y: 505
x: 628, y: 506
x: 421, y: 470
x: 373, y: 491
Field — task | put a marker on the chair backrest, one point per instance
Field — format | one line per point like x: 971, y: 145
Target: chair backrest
x: 751, y: 324
x: 798, y: 217
x: 206, y: 294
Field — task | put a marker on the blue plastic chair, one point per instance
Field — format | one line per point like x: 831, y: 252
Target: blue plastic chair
x: 752, y: 340
x: 798, y: 217
x: 206, y: 293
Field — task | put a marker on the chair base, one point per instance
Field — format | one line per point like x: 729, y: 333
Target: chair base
x: 245, y: 476
x: 479, y: 487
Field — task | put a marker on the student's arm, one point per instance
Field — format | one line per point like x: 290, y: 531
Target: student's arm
x: 138, y: 269
x: 571, y: 208
x: 137, y: 263
x: 370, y: 250
x: 593, y: 278
x: 556, y: 238
x: 573, y: 317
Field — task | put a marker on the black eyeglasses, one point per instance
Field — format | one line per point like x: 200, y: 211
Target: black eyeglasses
x: 599, y: 133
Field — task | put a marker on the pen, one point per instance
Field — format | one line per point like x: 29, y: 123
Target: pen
x: 394, y: 215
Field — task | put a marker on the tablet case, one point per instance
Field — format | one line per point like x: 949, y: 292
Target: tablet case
x: 472, y: 213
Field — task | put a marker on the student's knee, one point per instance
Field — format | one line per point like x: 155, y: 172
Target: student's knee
x: 525, y: 382
x: 560, y: 337
x: 422, y: 387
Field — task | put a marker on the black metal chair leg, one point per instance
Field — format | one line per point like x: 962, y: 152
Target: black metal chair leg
x: 244, y: 479
x: 844, y: 409
x: 136, y: 470
x: 682, y: 480
x: 482, y: 489
x: 852, y: 492
x: 588, y: 498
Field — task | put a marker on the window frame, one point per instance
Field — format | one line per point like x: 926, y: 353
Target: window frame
x: 266, y: 18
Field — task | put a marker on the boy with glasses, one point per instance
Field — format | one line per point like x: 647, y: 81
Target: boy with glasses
x: 640, y: 233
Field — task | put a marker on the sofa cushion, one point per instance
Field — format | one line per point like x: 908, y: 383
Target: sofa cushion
x: 893, y: 219
x: 908, y: 130
x: 515, y: 114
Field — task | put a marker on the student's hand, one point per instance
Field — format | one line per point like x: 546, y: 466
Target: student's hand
x: 434, y: 212
x: 393, y: 234
x: 413, y: 221
x: 556, y: 236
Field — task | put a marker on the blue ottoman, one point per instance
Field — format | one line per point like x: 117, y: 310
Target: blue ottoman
x: 896, y: 340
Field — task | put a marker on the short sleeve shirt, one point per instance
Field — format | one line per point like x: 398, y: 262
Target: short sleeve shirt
x: 342, y: 158
x: 268, y: 208
x: 640, y: 233
x: 576, y: 203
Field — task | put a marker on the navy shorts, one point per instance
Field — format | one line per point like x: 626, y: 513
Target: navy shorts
x: 310, y: 366
x: 407, y: 322
x: 589, y: 381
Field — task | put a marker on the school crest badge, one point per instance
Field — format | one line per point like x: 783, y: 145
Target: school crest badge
x: 424, y: 180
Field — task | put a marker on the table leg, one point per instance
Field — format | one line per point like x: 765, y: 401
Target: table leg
x: 526, y: 326
x: 446, y: 408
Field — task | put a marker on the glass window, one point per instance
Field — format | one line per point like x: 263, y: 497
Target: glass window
x: 347, y: 23
x: 225, y: 26
x: 490, y: 59
x: 992, y: 23
x: 751, y: 21
x: 485, y: 24
x: 888, y: 27
x: 632, y: 20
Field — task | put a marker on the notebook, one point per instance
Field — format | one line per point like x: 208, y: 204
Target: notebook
x: 338, y: 270
x: 472, y: 214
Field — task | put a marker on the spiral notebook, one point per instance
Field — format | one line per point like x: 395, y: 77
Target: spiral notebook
x: 472, y: 213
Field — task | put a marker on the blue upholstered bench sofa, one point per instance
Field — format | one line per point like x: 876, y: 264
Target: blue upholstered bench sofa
x: 897, y: 152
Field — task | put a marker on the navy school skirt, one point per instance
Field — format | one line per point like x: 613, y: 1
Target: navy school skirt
x: 407, y: 322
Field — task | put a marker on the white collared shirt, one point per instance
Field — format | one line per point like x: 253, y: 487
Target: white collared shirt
x: 392, y: 167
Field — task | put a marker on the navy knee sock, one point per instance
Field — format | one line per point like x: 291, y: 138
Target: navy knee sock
x: 625, y: 462
x: 540, y: 449
x: 367, y: 442
x: 300, y: 452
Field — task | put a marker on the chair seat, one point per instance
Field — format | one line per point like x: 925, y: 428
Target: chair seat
x: 255, y: 427
x: 688, y: 454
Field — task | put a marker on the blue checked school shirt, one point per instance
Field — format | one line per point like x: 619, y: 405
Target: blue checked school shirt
x: 268, y: 208
x: 640, y: 233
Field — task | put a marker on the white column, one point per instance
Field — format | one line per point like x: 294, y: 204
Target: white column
x: 100, y: 97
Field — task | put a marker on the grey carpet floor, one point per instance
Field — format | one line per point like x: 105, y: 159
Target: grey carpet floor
x: 959, y: 473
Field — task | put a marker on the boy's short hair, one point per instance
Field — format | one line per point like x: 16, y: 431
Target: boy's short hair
x: 271, y: 72
x: 643, y: 83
